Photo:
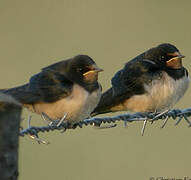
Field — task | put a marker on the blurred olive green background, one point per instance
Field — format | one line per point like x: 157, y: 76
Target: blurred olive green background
x: 36, y: 33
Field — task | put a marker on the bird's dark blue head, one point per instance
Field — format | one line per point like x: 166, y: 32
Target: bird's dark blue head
x: 165, y: 55
x: 83, y: 68
x: 79, y: 68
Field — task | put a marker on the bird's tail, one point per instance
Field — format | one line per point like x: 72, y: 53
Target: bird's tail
x: 3, y: 90
x: 105, y: 103
x: 18, y: 92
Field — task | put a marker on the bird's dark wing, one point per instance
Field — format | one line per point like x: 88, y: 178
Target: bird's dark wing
x: 131, y: 79
x: 50, y: 86
x: 46, y: 86
x: 127, y: 82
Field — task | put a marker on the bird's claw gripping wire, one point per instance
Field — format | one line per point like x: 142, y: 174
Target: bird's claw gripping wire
x: 51, y: 121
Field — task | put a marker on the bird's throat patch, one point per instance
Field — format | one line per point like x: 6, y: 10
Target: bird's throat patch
x: 174, y: 63
x: 90, y: 76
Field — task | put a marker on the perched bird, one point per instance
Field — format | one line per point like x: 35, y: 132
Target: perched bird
x: 67, y: 89
x: 151, y: 82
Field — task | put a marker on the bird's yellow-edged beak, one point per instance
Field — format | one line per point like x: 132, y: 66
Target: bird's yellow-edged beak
x: 93, y: 69
x: 92, y: 74
x: 175, y: 62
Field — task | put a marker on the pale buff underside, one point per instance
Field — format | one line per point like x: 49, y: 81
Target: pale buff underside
x: 77, y: 106
x: 161, y: 95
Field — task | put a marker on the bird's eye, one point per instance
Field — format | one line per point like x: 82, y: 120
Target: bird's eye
x: 79, y: 69
x: 162, y: 57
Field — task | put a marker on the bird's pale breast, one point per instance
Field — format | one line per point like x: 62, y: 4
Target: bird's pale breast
x: 162, y: 94
x: 77, y: 106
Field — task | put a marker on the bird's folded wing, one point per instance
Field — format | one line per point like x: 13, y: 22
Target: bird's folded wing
x: 46, y: 86
x: 131, y: 79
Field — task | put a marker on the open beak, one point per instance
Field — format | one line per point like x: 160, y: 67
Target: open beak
x: 175, y: 62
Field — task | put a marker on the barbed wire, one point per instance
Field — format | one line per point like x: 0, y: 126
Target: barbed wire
x: 175, y: 114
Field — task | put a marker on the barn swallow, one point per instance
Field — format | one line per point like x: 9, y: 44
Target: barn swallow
x: 67, y: 89
x: 151, y: 82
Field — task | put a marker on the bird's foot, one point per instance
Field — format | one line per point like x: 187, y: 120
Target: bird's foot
x: 159, y: 116
x: 156, y: 117
x: 53, y: 122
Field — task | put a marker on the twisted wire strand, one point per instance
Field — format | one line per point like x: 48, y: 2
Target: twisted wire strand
x: 175, y: 114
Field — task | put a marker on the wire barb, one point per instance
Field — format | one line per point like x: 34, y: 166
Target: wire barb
x: 61, y: 120
x: 143, y: 128
x: 34, y: 134
x: 165, y: 121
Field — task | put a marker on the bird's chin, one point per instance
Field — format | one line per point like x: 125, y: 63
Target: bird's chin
x: 174, y: 63
x: 91, y: 77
